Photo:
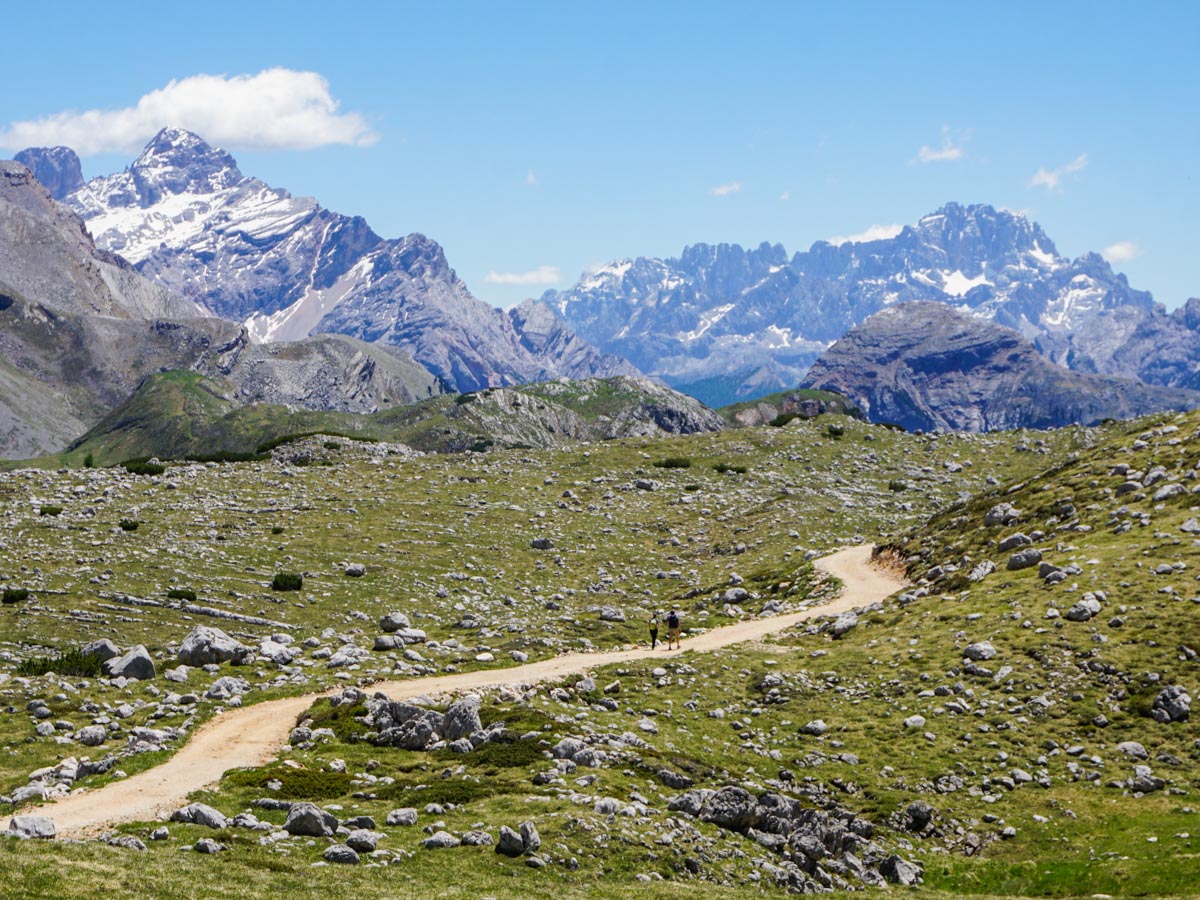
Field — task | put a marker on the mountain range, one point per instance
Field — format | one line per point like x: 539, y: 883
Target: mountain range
x: 187, y: 218
x: 723, y: 323
x: 922, y: 365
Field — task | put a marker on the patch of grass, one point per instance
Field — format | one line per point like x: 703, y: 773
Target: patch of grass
x: 673, y: 462
x: 287, y: 581
x: 508, y: 752
x: 296, y: 784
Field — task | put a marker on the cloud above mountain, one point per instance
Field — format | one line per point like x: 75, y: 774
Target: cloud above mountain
x: 1051, y: 179
x: 275, y: 109
x: 872, y: 233
x: 540, y: 275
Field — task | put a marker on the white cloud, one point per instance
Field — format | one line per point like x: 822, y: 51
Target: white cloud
x: 1121, y: 252
x: 724, y: 190
x: 873, y: 233
x: 1051, y: 179
x: 530, y: 178
x: 785, y: 196
x: 948, y: 151
x: 277, y: 109
x: 540, y: 275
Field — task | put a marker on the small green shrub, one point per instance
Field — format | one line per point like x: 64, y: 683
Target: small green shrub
x: 287, y: 581
x: 51, y: 510
x: 782, y: 419
x: 721, y: 468
x: 143, y: 467
x: 332, y: 445
x: 508, y: 752
x: 89, y: 461
x: 674, y: 462
x: 339, y: 719
x: 15, y: 595
x: 278, y: 529
x: 74, y: 663
x: 464, y: 399
x: 897, y: 485
x: 181, y: 594
x: 835, y: 431
x: 130, y: 524
x: 441, y: 792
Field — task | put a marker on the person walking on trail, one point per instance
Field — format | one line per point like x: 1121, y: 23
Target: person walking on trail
x: 654, y: 631
x: 673, y: 629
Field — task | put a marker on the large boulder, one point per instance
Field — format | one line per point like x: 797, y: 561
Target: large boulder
x: 731, y: 808
x: 205, y: 644
x: 309, y: 820
x: 31, y: 827
x: 1173, y: 704
x: 509, y: 843
x: 102, y: 649
x: 980, y: 651
x: 1024, y: 559
x: 461, y: 719
x: 135, y: 664
x: 200, y: 814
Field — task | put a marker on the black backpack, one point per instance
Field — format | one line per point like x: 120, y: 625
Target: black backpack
x: 672, y: 621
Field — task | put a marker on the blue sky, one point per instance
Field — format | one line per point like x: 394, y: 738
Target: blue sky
x: 537, y: 140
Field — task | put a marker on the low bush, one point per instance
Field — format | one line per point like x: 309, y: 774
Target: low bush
x: 73, y: 662
x: 835, y: 431
x: 721, y: 468
x: 897, y: 485
x: 143, y: 467
x: 50, y: 510
x: 15, y: 595
x: 181, y: 594
x: 674, y: 462
x: 130, y: 524
x: 782, y: 419
x: 287, y: 581
x: 278, y: 529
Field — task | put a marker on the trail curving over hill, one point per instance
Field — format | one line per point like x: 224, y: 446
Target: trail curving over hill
x: 253, y: 735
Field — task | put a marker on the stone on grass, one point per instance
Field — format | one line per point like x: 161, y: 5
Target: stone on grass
x: 135, y: 664
x: 309, y: 820
x: 510, y: 842
x: 92, y: 735
x: 206, y: 645
x: 1024, y: 559
x: 102, y: 649
x: 461, y: 719
x: 393, y: 621
x: 364, y: 840
x: 208, y: 845
x: 200, y: 814
x: 405, y: 816
x: 530, y: 839
x: 844, y: 624
x: 340, y: 853
x: 31, y: 827
x: 1173, y: 704
x: 440, y: 840
x: 981, y: 651
x: 731, y: 808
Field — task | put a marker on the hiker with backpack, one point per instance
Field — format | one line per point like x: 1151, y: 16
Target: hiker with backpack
x: 673, y: 629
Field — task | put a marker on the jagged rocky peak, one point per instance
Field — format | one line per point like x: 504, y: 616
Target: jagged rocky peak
x: 57, y: 168
x: 979, y: 232
x: 179, y: 162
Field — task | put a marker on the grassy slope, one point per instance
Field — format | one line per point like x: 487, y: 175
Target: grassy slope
x: 455, y: 514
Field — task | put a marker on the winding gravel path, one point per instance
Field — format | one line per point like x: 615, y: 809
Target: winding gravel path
x: 253, y: 735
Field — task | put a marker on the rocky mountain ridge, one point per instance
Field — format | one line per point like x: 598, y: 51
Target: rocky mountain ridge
x: 80, y: 328
x: 188, y: 219
x: 751, y: 321
x: 923, y: 366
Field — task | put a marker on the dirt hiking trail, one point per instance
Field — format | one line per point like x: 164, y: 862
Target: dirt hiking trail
x: 253, y: 735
